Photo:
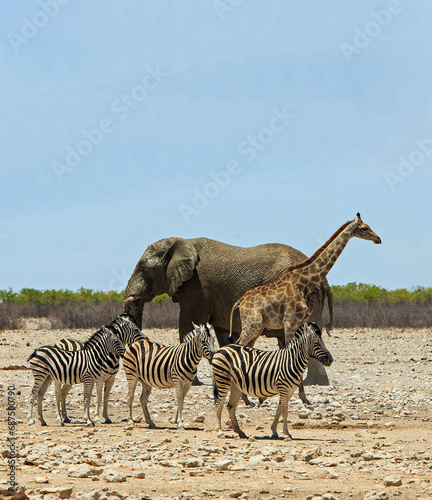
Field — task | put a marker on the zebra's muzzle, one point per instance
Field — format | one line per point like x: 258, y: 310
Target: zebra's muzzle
x: 327, y: 360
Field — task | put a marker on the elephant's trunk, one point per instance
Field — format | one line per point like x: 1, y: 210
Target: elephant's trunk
x: 134, y: 306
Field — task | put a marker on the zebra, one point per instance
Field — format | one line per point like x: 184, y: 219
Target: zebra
x: 163, y: 367
x: 71, y: 367
x: 124, y: 326
x: 264, y: 373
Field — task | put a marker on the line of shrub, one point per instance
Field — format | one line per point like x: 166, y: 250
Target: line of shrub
x: 352, y: 292
x: 355, y: 305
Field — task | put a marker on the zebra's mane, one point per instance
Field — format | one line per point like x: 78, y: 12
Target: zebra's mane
x: 96, y: 336
x: 301, y: 330
x: 189, y: 336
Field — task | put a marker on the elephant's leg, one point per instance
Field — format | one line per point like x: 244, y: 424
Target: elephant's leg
x: 316, y: 374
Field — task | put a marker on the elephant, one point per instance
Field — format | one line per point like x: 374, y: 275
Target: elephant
x: 206, y: 277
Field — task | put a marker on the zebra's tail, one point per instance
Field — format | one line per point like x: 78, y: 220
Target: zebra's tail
x: 215, y: 391
x: 32, y: 355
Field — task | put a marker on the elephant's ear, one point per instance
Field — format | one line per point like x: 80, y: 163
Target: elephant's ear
x: 181, y: 261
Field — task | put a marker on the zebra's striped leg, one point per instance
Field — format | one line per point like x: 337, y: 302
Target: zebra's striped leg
x: 232, y: 406
x: 42, y: 390
x: 182, y: 388
x: 132, y: 383
x: 107, y: 389
x: 284, y: 399
x: 276, y: 421
x: 220, y: 390
x: 58, y: 395
x: 64, y: 392
x: 146, y: 390
x: 99, y: 391
x: 38, y: 382
x: 88, y: 388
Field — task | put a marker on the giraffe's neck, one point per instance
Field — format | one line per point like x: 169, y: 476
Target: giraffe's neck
x: 318, y: 268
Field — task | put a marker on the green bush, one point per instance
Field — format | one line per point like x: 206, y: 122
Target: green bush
x: 352, y: 292
x: 372, y: 294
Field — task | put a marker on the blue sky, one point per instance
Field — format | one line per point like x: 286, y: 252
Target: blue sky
x: 124, y: 122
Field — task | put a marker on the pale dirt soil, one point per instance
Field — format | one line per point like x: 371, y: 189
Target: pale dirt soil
x: 376, y: 421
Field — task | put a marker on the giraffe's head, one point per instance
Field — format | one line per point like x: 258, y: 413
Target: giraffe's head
x: 363, y: 231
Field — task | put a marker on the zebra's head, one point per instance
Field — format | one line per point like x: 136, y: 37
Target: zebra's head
x: 124, y: 326
x: 207, y: 338
x: 114, y: 345
x: 317, y: 348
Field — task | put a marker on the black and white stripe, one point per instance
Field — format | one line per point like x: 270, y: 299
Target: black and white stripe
x: 126, y: 330
x: 71, y: 367
x: 163, y: 367
x: 263, y: 374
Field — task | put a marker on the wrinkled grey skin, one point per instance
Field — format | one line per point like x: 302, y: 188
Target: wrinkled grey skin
x: 206, y: 277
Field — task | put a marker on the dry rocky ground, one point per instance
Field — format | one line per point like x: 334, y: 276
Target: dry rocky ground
x: 369, y: 434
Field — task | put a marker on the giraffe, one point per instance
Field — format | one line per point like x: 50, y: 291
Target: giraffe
x: 285, y: 302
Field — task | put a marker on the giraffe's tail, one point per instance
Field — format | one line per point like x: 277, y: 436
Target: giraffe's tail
x: 234, y: 307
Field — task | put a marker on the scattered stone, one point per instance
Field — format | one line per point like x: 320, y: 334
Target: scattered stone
x: 111, y: 476
x: 192, y: 462
x: 373, y: 495
x: 83, y: 470
x: 223, y: 464
x: 41, y: 479
x: 307, y: 454
x: 392, y: 481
